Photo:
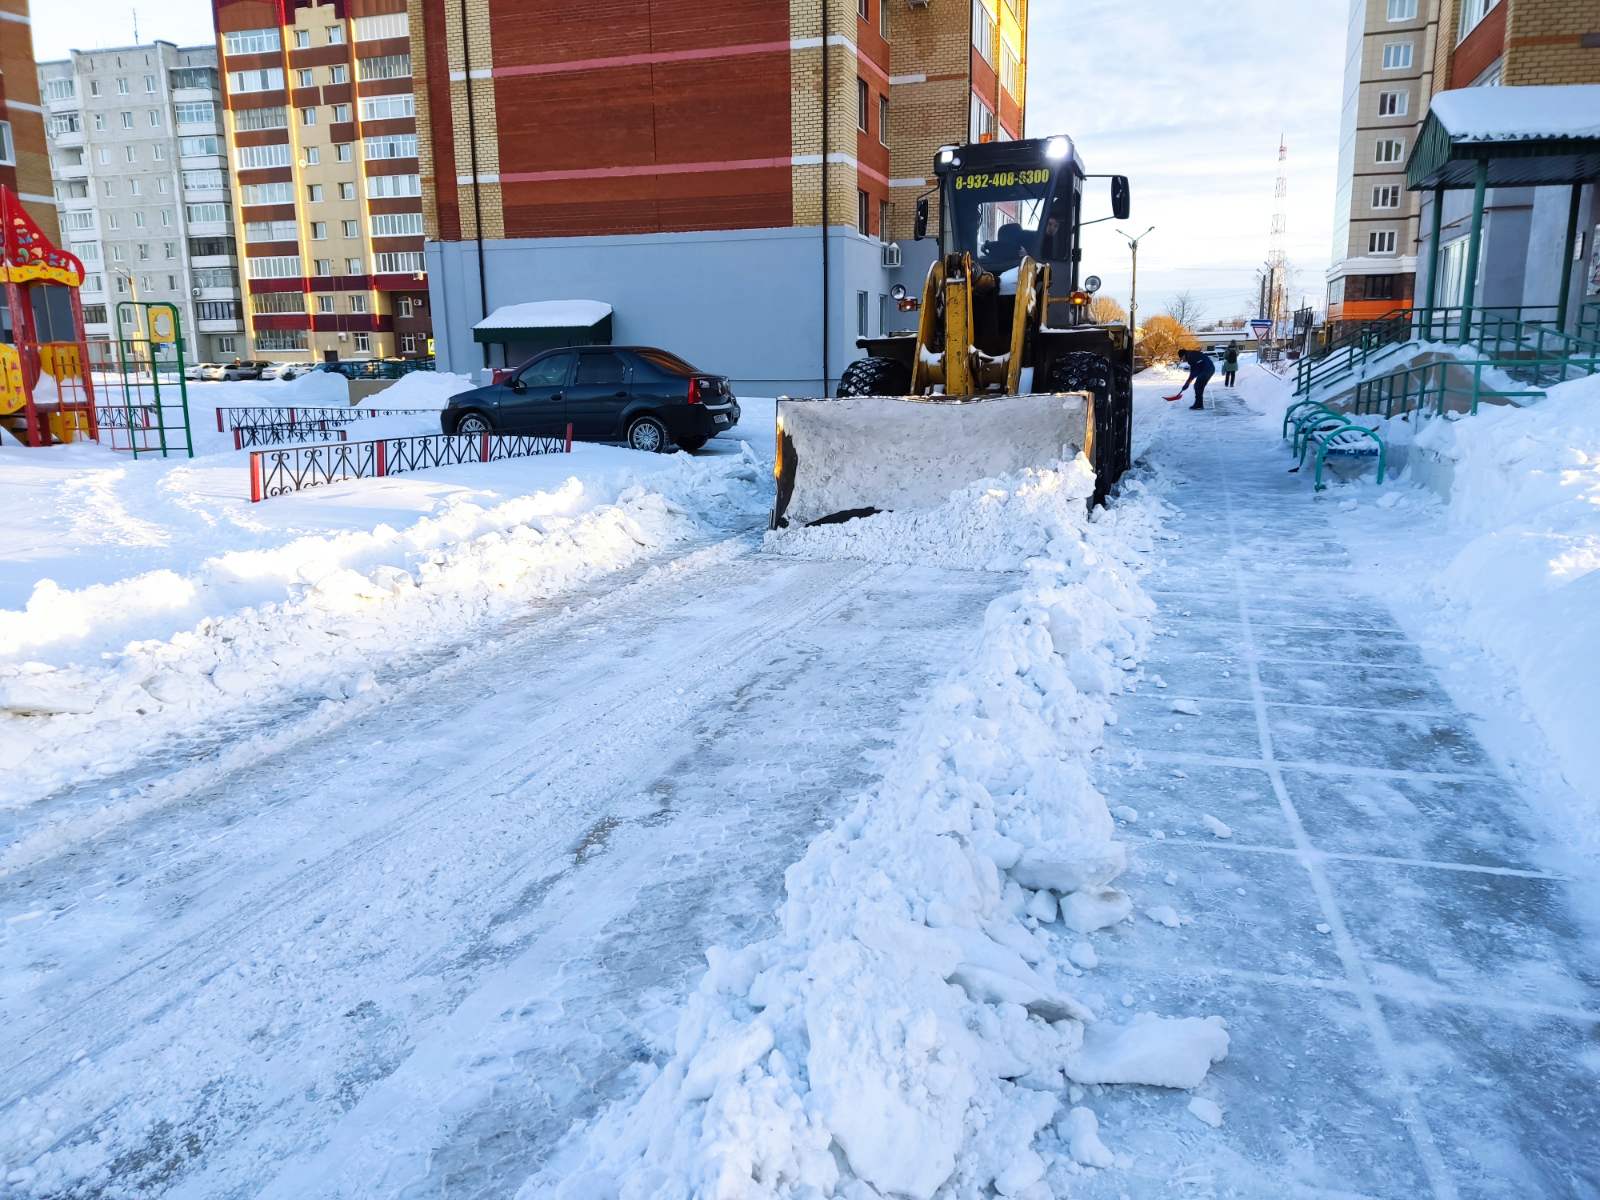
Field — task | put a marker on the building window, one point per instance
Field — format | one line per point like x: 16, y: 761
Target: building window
x: 200, y: 214
x: 1402, y: 10
x: 1473, y: 11
x: 197, y: 112
x: 1393, y: 104
x: 405, y: 307
x: 314, y: 193
x: 324, y: 304
x: 862, y: 299
x: 335, y: 35
x: 344, y: 151
x: 278, y: 302
x: 319, y: 231
x: 267, y: 193
x: 347, y: 191
x: 394, y: 145
x: 282, y: 266
x: 338, y: 73
x: 306, y: 77
x: 191, y: 146
x: 1453, y: 272
x: 341, y: 112
x: 1388, y: 150
x: 155, y: 118
x: 1387, y: 196
x: 149, y: 85
x: 1381, y: 241
x: 127, y: 120
x: 268, y: 79
x: 1396, y: 56
x: 276, y: 117
x: 281, y: 339
x: 358, y: 303
x: 395, y: 225
x: 204, y: 181
x: 862, y: 10
x: 251, y: 41
x: 384, y: 66
x: 1010, y: 71
x: 381, y: 186
x: 94, y: 314
x: 313, y: 155
x: 883, y: 119
x: 302, y: 37
x: 408, y: 341
x: 205, y: 247
x: 363, y: 341
x: 385, y: 25
x: 883, y: 19
x: 863, y: 98
x: 222, y: 277
x: 352, y: 266
x: 1380, y: 287
x: 861, y: 213
x: 352, y: 229
x: 383, y: 108
x: 8, y: 148
x: 983, y: 122
x: 982, y: 32
x: 122, y: 87
x: 60, y: 89
x: 227, y: 345
x: 256, y: 157
x: 405, y: 263
x: 308, y: 116
x: 324, y: 267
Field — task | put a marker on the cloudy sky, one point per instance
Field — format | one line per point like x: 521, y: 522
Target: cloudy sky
x: 1186, y: 97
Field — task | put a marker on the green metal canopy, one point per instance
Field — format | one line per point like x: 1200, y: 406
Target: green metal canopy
x: 1527, y: 136
x: 543, y: 324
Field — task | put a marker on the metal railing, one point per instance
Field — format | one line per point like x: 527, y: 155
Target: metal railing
x: 281, y: 472
x: 246, y: 436
x: 229, y: 417
x: 1427, y: 390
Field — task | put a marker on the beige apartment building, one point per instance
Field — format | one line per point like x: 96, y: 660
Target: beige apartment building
x: 1388, y: 83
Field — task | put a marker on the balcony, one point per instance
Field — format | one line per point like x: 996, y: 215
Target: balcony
x: 211, y: 229
x: 225, y: 325
x: 211, y: 260
x: 198, y: 94
x: 214, y: 293
x: 67, y: 138
x: 77, y: 170
x: 62, y: 104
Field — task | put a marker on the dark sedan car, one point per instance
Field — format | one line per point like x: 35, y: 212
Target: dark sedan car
x: 648, y: 398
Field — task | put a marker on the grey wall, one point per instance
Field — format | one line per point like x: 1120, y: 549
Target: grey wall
x: 744, y: 303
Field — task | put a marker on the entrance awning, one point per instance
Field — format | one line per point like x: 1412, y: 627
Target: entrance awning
x: 1528, y: 137
x: 541, y: 324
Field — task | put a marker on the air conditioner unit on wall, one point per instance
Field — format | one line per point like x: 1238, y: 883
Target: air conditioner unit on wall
x: 891, y: 255
x: 195, y: 291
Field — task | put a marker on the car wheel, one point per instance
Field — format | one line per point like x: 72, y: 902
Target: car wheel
x: 691, y: 444
x: 473, y: 424
x: 648, y: 434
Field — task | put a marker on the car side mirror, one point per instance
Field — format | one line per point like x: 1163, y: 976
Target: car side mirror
x: 919, y: 230
x: 516, y: 385
x: 1121, y: 204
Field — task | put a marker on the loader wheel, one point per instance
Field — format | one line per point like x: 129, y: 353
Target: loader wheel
x: 875, y: 377
x: 1080, y: 371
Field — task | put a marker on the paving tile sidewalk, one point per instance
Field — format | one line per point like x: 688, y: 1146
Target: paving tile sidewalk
x: 1413, y: 992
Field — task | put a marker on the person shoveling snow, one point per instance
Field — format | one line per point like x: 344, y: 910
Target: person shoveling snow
x: 1201, y: 369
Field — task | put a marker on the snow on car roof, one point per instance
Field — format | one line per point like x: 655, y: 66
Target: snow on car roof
x: 1497, y: 114
x: 546, y: 314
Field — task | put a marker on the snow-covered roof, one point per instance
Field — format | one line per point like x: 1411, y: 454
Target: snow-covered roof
x: 547, y: 314
x: 1500, y: 114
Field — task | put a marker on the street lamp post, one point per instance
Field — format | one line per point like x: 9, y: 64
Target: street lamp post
x: 1133, y: 288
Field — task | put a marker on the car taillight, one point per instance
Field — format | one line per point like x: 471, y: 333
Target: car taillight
x: 699, y: 390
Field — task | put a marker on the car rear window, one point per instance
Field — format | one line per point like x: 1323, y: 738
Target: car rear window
x: 667, y: 364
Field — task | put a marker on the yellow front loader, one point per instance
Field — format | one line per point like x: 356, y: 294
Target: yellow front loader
x: 1005, y: 369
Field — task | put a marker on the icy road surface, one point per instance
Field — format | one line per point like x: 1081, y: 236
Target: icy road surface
x: 401, y: 958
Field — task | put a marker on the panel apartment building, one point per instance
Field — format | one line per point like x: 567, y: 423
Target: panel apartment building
x: 710, y: 168
x: 24, y: 159
x: 1388, y: 82
x: 141, y: 184
x: 322, y: 136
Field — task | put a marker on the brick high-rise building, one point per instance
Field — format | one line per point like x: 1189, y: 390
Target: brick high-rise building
x: 674, y: 158
x: 322, y: 137
x: 24, y: 159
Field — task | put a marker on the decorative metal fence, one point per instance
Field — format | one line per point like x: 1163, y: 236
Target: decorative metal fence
x: 245, y: 436
x: 294, y: 469
x: 232, y: 417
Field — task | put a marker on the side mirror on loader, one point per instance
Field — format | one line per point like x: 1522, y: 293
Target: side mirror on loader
x: 1120, y: 199
x: 920, y: 229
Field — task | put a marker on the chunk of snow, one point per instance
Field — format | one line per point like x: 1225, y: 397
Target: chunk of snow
x: 1324, y: 928
x: 1080, y: 1129
x: 1083, y: 955
x: 1217, y: 828
x: 1206, y: 1110
x: 1174, y: 1052
x: 1124, y: 813
x: 1085, y: 912
x: 1188, y: 708
x: 1164, y: 914
x: 1064, y: 867
x: 1042, y: 906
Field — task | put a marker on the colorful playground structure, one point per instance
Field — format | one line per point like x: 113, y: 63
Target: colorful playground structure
x: 58, y: 386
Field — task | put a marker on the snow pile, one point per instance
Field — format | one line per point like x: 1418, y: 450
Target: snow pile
x: 547, y: 314
x: 421, y: 389
x: 1524, y: 581
x: 313, y: 389
x: 348, y: 602
x: 912, y: 1028
x: 1478, y: 114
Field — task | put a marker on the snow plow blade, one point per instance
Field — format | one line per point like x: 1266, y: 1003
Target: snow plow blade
x: 852, y: 457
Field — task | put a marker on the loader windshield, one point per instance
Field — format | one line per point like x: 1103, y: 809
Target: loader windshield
x: 1003, y: 213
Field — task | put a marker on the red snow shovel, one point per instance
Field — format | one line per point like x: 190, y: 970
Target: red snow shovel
x: 1179, y: 396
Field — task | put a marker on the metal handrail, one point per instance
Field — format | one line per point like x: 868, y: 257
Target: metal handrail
x: 1425, y: 390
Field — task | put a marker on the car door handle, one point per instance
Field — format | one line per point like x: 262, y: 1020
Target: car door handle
x: 622, y: 395
x: 558, y: 396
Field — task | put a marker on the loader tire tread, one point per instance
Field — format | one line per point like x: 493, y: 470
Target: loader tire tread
x: 1081, y: 371
x: 875, y: 377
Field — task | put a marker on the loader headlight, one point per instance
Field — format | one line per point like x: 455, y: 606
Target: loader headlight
x: 1092, y: 284
x: 1057, y: 148
x: 947, y: 157
x: 898, y: 291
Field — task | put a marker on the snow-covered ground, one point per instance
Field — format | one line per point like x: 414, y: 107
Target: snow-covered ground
x: 547, y: 828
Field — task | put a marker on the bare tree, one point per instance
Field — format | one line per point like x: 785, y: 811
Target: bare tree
x: 1103, y: 310
x: 1186, y: 310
